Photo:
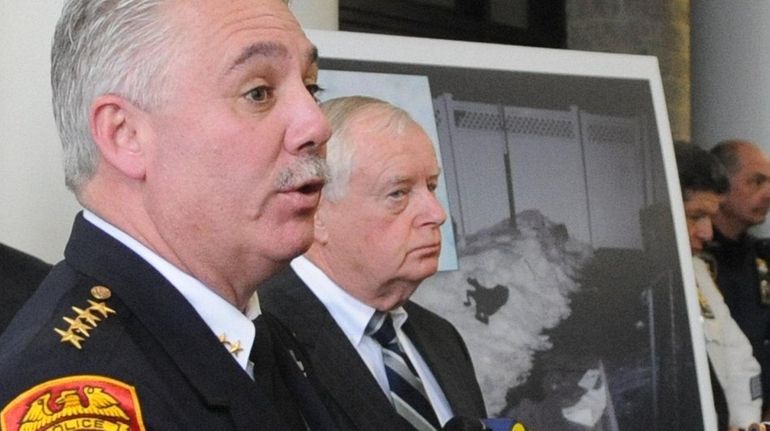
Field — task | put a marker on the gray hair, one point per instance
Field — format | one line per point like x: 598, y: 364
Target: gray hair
x: 340, y: 148
x: 104, y: 47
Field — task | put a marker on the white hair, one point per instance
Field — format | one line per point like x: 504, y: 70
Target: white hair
x: 340, y: 148
x: 104, y: 47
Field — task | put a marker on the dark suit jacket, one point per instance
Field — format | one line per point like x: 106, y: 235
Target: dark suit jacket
x: 348, y: 388
x: 20, y: 274
x: 155, y: 341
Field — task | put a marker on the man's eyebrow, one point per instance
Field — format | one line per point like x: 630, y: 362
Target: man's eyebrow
x: 312, y: 54
x: 400, y: 179
x: 260, y: 49
x: 396, y: 180
x: 269, y: 49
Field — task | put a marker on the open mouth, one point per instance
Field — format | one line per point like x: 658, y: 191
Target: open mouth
x: 311, y: 187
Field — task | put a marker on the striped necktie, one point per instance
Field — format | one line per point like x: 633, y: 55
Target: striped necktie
x: 406, y: 389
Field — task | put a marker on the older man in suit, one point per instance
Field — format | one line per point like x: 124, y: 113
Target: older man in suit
x: 380, y: 361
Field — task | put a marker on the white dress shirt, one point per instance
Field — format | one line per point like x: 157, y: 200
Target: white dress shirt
x: 352, y: 316
x: 223, y: 318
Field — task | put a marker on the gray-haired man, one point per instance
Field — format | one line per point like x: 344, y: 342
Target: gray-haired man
x: 193, y: 140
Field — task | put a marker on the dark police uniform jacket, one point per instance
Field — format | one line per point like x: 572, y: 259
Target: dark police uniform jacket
x: 106, y: 340
x: 350, y: 392
x: 739, y: 274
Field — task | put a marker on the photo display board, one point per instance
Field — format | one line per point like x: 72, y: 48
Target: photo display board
x: 565, y: 265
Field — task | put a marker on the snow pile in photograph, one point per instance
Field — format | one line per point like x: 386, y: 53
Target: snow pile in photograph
x: 538, y: 264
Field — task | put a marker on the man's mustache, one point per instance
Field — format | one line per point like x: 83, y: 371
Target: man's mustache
x: 309, y: 168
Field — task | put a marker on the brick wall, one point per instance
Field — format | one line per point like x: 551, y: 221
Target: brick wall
x: 649, y: 27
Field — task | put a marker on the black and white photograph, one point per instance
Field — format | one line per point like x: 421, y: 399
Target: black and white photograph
x: 568, y: 285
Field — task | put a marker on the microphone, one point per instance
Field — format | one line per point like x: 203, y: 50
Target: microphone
x: 462, y: 423
x: 503, y: 424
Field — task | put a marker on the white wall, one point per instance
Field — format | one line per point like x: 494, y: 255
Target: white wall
x: 731, y: 73
x: 37, y: 209
x: 317, y: 14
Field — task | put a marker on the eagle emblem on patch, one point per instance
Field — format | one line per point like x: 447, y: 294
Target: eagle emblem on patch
x: 75, y: 403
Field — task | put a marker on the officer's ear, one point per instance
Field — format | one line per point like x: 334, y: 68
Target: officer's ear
x: 120, y: 132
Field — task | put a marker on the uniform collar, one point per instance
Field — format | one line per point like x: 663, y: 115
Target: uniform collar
x: 224, y: 319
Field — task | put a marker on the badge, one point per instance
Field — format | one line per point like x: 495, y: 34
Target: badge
x: 75, y: 403
x: 705, y: 308
x: 764, y: 281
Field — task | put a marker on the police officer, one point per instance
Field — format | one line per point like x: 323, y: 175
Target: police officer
x: 194, y: 143
x: 735, y: 371
x: 741, y: 259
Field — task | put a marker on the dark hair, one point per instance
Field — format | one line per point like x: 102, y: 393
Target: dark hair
x: 699, y: 171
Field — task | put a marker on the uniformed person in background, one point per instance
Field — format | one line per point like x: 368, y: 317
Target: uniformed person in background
x: 704, y: 183
x: 194, y: 142
x: 741, y: 259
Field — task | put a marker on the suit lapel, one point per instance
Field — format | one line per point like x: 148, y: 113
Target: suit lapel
x: 444, y: 358
x: 174, y: 325
x: 339, y: 370
x: 349, y: 380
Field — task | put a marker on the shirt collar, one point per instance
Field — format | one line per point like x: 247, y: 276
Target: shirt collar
x: 351, y: 315
x: 224, y: 319
x: 399, y: 316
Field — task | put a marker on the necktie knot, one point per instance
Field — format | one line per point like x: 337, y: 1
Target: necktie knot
x: 381, y: 329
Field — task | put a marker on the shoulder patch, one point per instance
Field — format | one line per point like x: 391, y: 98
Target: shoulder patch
x: 83, y: 402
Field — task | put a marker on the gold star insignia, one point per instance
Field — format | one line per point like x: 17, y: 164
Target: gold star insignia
x: 77, y: 325
x: 101, y: 308
x: 87, y: 315
x: 86, y: 320
x: 233, y: 347
x: 69, y: 337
